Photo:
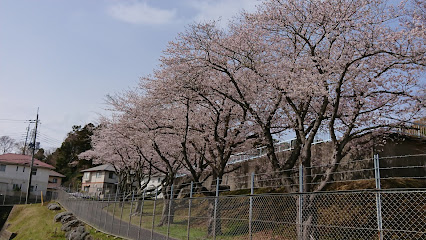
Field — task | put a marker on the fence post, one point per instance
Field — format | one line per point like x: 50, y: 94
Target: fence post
x: 113, y: 211
x: 106, y: 214
x: 170, y: 211
x: 153, y: 213
x: 121, y: 213
x: 131, y: 212
x: 97, y: 202
x: 378, y: 197
x: 189, y: 211
x: 140, y: 217
x: 215, y: 208
x: 93, y: 209
x: 101, y: 210
x: 251, y: 207
x: 300, y: 213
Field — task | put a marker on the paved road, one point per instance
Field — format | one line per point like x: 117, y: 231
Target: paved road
x: 93, y: 213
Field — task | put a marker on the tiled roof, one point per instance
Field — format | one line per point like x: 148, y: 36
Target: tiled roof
x: 105, y: 167
x: 55, y: 174
x: 23, y: 160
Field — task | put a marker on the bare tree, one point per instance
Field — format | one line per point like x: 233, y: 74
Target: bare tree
x: 6, y: 144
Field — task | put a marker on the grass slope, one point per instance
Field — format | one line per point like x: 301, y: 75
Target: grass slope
x: 34, y: 222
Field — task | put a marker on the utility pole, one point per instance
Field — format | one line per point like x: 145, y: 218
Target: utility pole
x: 32, y: 162
x: 26, y: 138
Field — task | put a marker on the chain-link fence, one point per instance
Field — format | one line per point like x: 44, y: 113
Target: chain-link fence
x: 256, y: 207
x: 17, y: 197
x: 367, y: 214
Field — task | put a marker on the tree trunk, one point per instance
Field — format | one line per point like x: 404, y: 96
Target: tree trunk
x: 307, y: 230
x: 214, y: 224
x: 165, y: 218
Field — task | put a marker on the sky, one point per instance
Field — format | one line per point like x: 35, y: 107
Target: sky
x: 64, y: 57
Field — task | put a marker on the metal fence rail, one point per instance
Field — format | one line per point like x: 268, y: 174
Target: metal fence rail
x: 10, y: 198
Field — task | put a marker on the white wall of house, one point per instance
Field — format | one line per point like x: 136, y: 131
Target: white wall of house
x: 153, y: 182
x: 15, y: 177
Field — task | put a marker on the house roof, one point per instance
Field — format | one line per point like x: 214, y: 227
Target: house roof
x: 23, y: 160
x: 55, y: 174
x: 105, y: 167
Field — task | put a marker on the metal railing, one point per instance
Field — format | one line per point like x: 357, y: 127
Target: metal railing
x: 413, y: 129
x: 282, y: 146
x: 10, y: 198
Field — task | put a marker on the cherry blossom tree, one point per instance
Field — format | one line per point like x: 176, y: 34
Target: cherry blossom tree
x: 335, y: 66
x: 352, y: 64
x: 113, y: 143
x: 212, y: 127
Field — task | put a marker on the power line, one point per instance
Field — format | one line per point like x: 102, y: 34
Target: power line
x: 17, y: 120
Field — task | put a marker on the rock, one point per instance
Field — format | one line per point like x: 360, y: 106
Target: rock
x: 5, y: 234
x: 59, y: 216
x: 78, y: 233
x: 83, y: 235
x: 53, y: 206
x: 88, y: 237
x: 71, y: 225
x: 67, y: 218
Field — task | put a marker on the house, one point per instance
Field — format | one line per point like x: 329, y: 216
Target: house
x: 54, y: 183
x: 152, y: 182
x: 99, y: 180
x: 14, y: 174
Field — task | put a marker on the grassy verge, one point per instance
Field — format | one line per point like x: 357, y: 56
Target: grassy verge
x: 33, y: 222
x: 178, y: 229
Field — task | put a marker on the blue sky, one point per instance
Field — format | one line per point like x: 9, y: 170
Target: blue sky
x: 66, y: 56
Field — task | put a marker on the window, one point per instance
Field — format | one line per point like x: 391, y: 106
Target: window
x: 111, y: 175
x: 159, y: 180
x: 2, y: 168
x: 86, y: 175
x: 17, y: 167
x: 55, y: 180
x: 31, y: 188
x: 99, y: 189
x: 16, y: 187
x: 98, y: 175
x: 23, y: 169
x: 34, y: 171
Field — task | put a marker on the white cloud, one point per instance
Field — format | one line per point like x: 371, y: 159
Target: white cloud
x: 221, y: 9
x: 141, y: 13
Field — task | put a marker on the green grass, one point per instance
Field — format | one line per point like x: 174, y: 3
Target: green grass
x: 178, y: 229
x: 34, y: 222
